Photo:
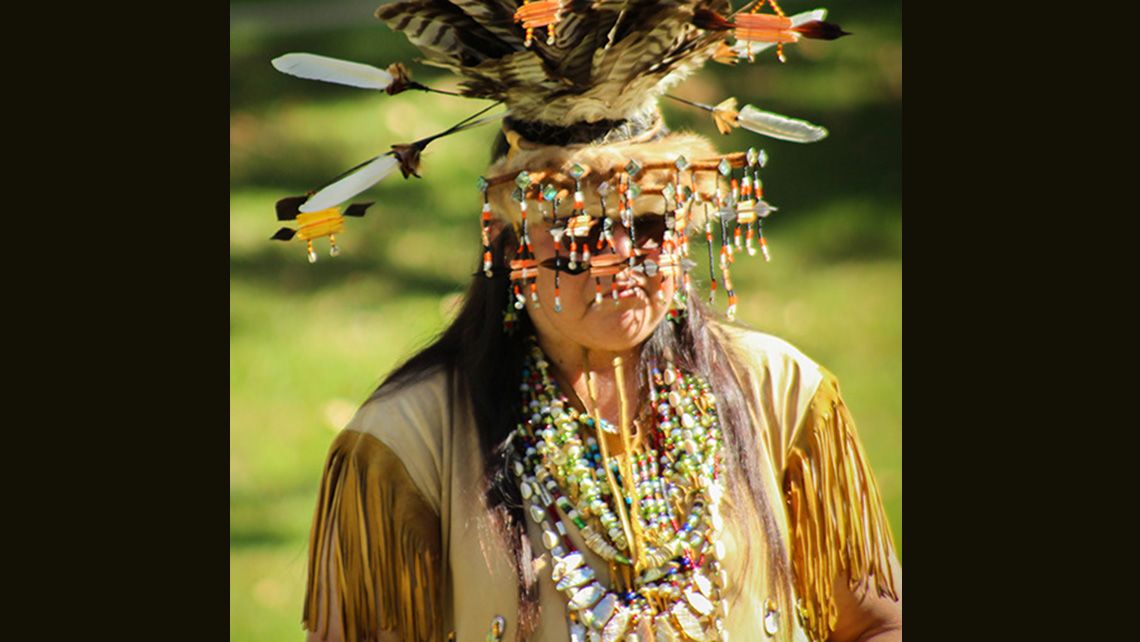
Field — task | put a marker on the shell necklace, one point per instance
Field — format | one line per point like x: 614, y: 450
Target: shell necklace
x: 653, y: 512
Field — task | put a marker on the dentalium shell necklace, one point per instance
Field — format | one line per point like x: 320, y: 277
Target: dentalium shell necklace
x: 652, y: 512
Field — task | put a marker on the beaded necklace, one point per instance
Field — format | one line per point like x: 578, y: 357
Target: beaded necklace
x: 653, y: 513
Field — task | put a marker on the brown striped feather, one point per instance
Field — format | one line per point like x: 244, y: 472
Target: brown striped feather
x: 610, y: 58
x: 496, y: 17
x: 442, y: 30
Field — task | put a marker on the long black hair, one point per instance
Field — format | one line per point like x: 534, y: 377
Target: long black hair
x: 484, y: 367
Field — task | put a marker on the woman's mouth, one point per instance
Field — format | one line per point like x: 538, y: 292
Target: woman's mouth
x: 629, y: 288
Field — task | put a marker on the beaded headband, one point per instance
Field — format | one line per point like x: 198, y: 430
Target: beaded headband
x: 580, y: 75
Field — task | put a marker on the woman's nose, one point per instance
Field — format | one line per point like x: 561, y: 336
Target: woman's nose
x: 623, y: 245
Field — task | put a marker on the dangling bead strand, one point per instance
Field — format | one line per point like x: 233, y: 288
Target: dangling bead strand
x: 486, y: 228
x: 709, y: 241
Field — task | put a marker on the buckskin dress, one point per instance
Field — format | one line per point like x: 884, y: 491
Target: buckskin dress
x: 401, y: 539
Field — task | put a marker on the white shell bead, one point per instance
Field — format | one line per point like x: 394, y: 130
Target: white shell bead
x: 615, y: 628
x: 576, y: 577
x: 549, y: 538
x: 566, y: 564
x: 690, y: 625
x: 604, y: 610
x: 700, y: 603
x: 537, y: 513
x: 664, y: 629
x: 585, y: 597
x: 703, y: 584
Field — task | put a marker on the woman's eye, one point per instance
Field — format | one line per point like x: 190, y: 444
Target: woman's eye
x: 649, y: 231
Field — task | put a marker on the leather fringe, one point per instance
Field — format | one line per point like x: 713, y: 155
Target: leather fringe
x: 382, y: 541
x: 836, y: 514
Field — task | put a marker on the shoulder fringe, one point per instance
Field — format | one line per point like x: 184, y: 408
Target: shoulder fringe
x: 836, y: 513
x: 382, y: 541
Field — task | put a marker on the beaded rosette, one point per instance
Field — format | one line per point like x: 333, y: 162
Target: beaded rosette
x: 653, y: 514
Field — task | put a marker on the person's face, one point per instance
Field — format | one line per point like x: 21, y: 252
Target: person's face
x: 611, y: 325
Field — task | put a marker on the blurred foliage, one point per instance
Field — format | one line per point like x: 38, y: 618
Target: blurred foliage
x: 308, y: 343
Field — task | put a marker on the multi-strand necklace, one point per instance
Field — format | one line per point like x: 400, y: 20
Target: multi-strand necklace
x: 652, y: 512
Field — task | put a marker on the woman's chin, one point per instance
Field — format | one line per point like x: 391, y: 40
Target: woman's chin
x: 625, y: 323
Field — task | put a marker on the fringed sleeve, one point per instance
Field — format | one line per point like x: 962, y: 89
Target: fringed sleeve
x: 835, y: 512
x: 374, y: 549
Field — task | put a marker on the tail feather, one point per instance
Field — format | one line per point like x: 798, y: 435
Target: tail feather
x: 442, y: 30
x: 602, y: 50
x: 496, y: 17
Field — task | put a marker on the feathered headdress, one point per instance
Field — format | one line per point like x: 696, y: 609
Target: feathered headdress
x: 580, y: 80
x: 603, y: 60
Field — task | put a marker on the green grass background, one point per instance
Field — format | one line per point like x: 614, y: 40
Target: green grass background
x: 308, y: 342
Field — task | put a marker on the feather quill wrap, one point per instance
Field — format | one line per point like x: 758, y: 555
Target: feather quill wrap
x: 836, y: 515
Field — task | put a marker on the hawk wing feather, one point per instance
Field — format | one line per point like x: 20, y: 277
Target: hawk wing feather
x: 608, y: 60
x: 442, y: 30
x: 496, y: 16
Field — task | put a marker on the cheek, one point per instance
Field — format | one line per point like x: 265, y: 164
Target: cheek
x: 541, y: 243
